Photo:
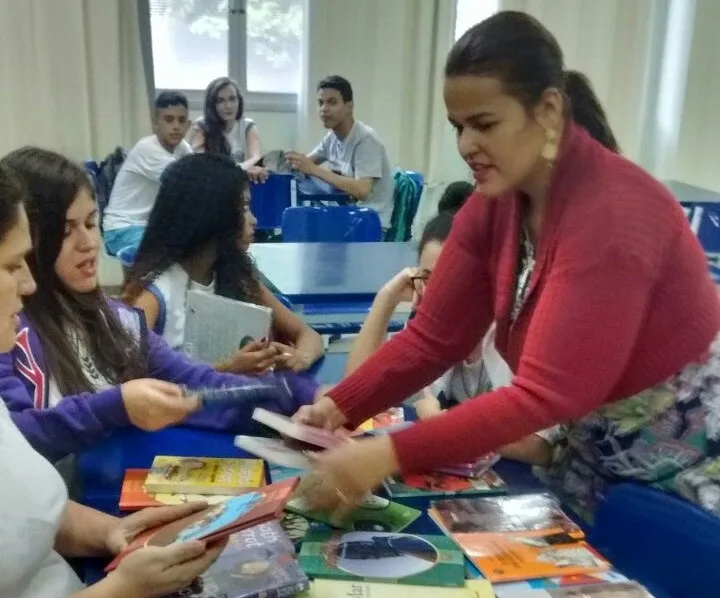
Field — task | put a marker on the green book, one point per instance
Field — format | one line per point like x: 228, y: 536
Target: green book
x: 384, y: 557
x: 374, y: 514
x: 443, y: 484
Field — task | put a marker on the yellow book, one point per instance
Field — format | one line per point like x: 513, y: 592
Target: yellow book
x: 326, y: 588
x: 204, y: 475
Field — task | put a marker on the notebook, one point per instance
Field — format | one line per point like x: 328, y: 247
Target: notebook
x: 215, y: 326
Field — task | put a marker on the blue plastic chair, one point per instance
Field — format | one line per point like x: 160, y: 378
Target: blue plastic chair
x: 330, y: 224
x: 268, y: 200
x: 669, y: 545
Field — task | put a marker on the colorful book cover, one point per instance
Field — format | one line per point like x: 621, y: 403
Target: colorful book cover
x: 374, y: 514
x: 473, y: 469
x: 442, y: 484
x: 274, y: 451
x: 134, y: 497
x: 605, y: 590
x: 295, y: 527
x: 203, y: 475
x: 278, y: 473
x: 518, y: 588
x: 332, y: 588
x: 387, y: 419
x: 383, y: 557
x: 258, y: 562
x: 302, y: 433
x: 524, y: 512
x: 218, y: 521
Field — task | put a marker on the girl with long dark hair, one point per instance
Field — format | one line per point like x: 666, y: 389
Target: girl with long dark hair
x: 83, y: 364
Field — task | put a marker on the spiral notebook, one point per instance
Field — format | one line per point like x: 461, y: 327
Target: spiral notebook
x: 215, y: 326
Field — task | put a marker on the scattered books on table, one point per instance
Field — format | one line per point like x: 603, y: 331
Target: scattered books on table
x: 513, y: 589
x: 327, y: 588
x: 218, y: 521
x: 472, y: 469
x: 278, y: 473
x: 384, y: 557
x: 307, y: 434
x: 258, y: 562
x: 134, y: 496
x: 204, y: 475
x: 393, y: 418
x: 295, y: 527
x: 605, y: 590
x: 274, y: 451
x: 373, y: 514
x: 443, y: 484
x: 517, y: 537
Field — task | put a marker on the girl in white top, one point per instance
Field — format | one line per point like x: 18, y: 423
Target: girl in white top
x: 198, y: 235
x: 224, y: 130
x: 38, y: 525
x: 483, y: 370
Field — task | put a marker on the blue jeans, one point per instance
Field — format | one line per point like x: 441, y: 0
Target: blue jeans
x: 128, y: 236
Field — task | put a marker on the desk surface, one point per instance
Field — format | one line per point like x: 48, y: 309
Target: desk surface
x: 331, y: 272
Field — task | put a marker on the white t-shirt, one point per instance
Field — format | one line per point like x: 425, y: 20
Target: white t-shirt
x: 173, y: 285
x: 361, y: 155
x: 237, y: 137
x: 138, y: 182
x: 32, y: 502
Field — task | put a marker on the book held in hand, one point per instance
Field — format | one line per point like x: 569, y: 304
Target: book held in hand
x: 258, y: 562
x: 383, y: 557
x: 203, y: 475
x: 300, y: 432
x: 218, y: 521
x: 274, y: 451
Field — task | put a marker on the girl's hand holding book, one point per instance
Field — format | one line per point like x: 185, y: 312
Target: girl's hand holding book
x: 154, y: 404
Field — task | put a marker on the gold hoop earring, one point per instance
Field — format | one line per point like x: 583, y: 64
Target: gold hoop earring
x: 549, y: 151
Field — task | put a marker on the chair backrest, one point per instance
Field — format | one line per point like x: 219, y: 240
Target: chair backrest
x: 268, y: 200
x: 670, y: 545
x: 105, y: 178
x: 126, y: 255
x: 331, y: 224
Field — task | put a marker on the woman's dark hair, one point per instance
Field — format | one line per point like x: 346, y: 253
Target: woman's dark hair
x: 213, y: 126
x: 518, y: 50
x: 12, y: 195
x: 200, y: 204
x: 61, y: 316
x: 437, y: 229
x: 455, y: 195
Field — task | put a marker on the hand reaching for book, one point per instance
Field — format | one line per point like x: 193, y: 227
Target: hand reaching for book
x: 153, y: 404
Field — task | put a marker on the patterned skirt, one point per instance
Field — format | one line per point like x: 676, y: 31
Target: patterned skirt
x: 667, y: 437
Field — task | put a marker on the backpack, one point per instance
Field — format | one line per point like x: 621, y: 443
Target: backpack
x: 107, y: 173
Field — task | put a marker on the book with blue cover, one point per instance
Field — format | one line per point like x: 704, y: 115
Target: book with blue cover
x: 258, y: 562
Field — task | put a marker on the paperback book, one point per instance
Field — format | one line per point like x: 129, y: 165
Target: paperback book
x: 514, y: 589
x: 443, y: 484
x: 383, y: 557
x: 274, y: 451
x: 258, y: 562
x: 218, y: 521
x: 375, y: 514
x: 605, y: 590
x: 204, y: 475
x: 327, y: 588
x: 306, y: 434
x: 134, y: 496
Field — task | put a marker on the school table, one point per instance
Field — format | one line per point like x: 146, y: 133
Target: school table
x: 331, y: 273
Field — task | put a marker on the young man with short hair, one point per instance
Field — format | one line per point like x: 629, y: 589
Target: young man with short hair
x: 357, y: 159
x: 137, y: 184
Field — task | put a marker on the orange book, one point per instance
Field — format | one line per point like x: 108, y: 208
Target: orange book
x: 134, y: 497
x: 514, y: 556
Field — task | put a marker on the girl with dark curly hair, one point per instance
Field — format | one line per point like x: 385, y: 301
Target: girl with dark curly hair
x: 197, y: 237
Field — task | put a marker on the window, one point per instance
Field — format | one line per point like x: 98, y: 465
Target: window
x: 471, y: 12
x: 256, y: 42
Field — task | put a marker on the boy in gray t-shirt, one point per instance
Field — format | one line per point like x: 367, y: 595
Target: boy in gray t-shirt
x: 357, y: 161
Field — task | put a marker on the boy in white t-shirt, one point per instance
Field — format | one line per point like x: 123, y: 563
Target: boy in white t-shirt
x: 136, y: 186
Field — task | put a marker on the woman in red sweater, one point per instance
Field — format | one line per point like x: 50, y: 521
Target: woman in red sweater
x: 605, y: 311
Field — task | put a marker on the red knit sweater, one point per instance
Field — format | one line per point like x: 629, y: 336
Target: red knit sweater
x: 620, y: 299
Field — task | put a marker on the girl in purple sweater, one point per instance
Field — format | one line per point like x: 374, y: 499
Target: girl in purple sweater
x: 83, y: 364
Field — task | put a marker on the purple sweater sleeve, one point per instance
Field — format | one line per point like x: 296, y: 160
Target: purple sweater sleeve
x: 75, y: 424
x: 173, y: 366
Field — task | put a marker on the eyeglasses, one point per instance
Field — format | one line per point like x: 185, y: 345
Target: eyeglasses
x: 419, y: 281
